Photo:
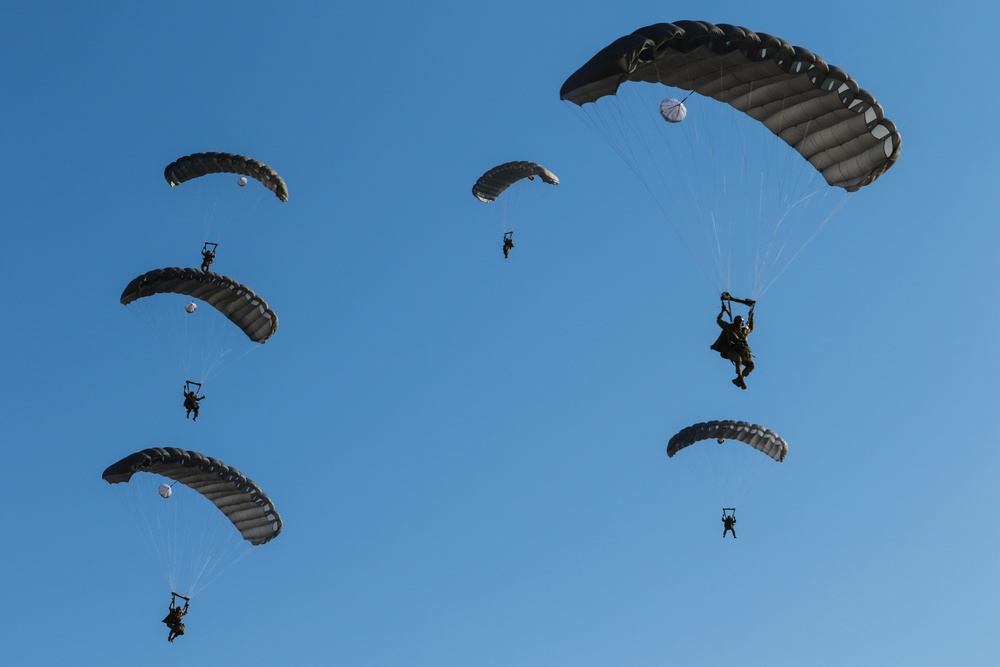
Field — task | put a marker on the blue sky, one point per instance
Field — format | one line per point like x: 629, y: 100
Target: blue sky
x: 469, y: 453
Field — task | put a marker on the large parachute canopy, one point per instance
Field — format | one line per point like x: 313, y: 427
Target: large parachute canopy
x: 197, y: 515
x: 774, y: 135
x: 248, y: 508
x: 760, y: 438
x: 199, y: 164
x: 200, y: 341
x: 493, y: 183
x: 237, y: 302
x: 816, y: 108
x: 726, y: 457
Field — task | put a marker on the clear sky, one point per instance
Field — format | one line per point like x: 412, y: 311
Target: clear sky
x: 469, y: 452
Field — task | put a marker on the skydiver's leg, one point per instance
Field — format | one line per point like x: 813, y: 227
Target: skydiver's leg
x: 748, y: 367
x: 738, y: 362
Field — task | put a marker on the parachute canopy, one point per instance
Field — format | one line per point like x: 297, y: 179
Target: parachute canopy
x: 244, y: 504
x: 758, y: 437
x: 814, y: 107
x: 200, y: 164
x: 492, y: 184
x: 237, y: 302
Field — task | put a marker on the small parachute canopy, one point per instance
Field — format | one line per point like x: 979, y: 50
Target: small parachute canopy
x: 673, y: 110
x: 814, y: 107
x: 492, y: 184
x: 758, y: 437
x: 191, y: 307
x: 164, y: 490
x: 242, y: 501
x: 237, y: 302
x: 199, y: 164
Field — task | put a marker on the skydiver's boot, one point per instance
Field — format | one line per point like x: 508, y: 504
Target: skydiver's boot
x: 740, y: 383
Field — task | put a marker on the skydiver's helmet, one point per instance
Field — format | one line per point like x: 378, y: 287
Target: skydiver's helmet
x: 191, y: 307
x: 242, y: 181
x: 738, y: 320
x: 164, y: 490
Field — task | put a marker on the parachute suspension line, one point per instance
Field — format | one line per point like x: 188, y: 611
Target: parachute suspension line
x: 223, y: 358
x: 615, y: 121
x: 210, y: 344
x: 190, y: 557
x: 723, y: 263
x: 158, y: 529
x: 213, y: 569
x: 798, y: 192
x: 769, y: 282
x: 767, y: 235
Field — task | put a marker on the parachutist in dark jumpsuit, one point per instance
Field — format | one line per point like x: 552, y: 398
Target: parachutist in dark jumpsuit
x: 191, y: 400
x: 207, y: 257
x: 729, y: 524
x: 732, y: 344
x: 508, y: 245
x: 173, y: 620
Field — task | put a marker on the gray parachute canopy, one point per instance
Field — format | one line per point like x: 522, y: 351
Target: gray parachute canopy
x: 492, y: 184
x: 237, y: 302
x: 242, y: 501
x: 200, y: 164
x: 758, y: 437
x: 816, y: 108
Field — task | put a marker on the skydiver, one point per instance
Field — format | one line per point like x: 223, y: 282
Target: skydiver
x: 173, y: 619
x: 729, y: 524
x: 508, y: 244
x: 191, y: 399
x: 207, y: 257
x: 732, y: 342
